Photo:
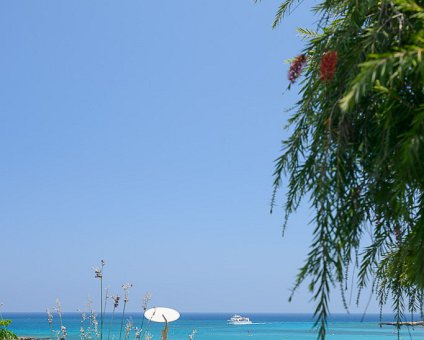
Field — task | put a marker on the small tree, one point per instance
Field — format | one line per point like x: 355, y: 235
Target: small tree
x: 357, y: 150
x: 4, y: 332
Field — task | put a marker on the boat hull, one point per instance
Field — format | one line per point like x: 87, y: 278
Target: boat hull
x: 241, y: 323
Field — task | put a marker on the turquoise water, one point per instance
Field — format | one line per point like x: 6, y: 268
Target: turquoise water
x: 214, y: 326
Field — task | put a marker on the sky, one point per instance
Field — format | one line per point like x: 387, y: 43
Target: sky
x: 144, y: 133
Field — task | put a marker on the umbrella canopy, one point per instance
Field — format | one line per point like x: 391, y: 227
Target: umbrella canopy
x: 157, y: 314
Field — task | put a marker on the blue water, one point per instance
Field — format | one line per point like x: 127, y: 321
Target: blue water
x: 214, y: 326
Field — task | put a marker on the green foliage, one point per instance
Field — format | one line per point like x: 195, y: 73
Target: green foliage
x: 4, y: 333
x: 356, y: 152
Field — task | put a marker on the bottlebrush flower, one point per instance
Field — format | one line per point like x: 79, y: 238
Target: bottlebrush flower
x: 328, y: 65
x: 58, y: 307
x: 115, y: 301
x: 146, y: 300
x: 98, y: 273
x: 64, y: 333
x: 126, y: 286
x: 137, y: 333
x: 49, y: 316
x: 296, y: 67
x: 128, y: 328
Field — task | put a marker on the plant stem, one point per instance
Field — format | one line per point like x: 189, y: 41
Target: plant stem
x: 122, y: 320
x: 101, y: 306
x: 142, y: 322
x: 147, y: 327
x: 104, y: 310
x: 111, y: 322
x: 60, y: 318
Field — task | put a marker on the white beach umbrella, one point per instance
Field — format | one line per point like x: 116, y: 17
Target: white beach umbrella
x: 161, y: 314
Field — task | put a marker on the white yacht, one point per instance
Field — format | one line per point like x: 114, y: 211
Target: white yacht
x: 239, y: 320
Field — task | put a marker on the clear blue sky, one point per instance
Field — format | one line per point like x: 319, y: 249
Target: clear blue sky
x: 144, y: 133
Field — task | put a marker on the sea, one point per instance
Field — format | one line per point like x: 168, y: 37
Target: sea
x: 208, y: 326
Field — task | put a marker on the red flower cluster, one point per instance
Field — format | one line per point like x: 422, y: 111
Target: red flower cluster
x: 328, y: 65
x: 296, y: 67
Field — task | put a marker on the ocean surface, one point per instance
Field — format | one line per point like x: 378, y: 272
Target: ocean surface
x: 215, y: 326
